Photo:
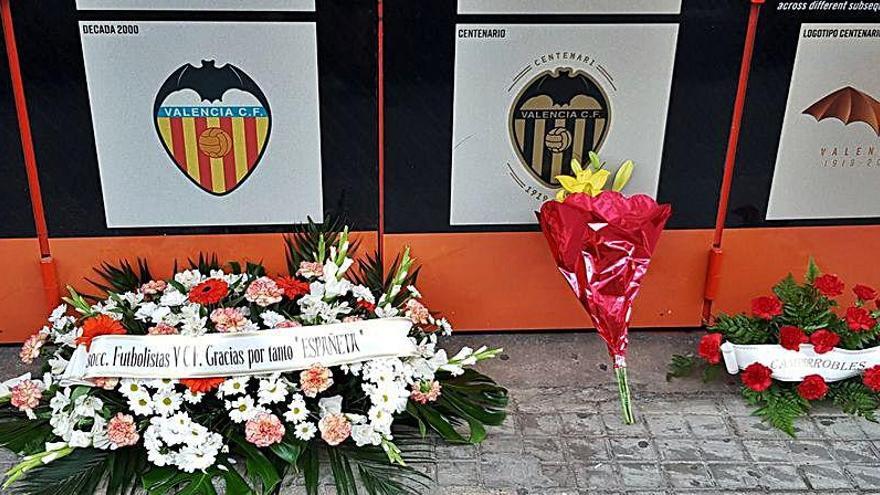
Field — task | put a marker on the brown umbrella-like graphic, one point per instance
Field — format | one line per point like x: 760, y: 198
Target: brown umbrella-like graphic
x: 848, y: 105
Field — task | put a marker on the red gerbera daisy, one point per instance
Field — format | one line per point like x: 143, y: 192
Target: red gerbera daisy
x: 97, y: 326
x: 210, y: 291
x: 292, y: 287
x: 202, y: 385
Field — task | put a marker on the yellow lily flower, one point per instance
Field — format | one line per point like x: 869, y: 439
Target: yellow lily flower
x: 584, y: 181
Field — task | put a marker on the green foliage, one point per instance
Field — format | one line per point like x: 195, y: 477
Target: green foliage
x: 853, y: 397
x: 682, y: 366
x: 312, y: 241
x: 812, y: 271
x: 75, y: 474
x: 121, y: 277
x: 470, y: 398
x: 170, y: 481
x: 741, y: 329
x: 372, y: 274
x: 779, y: 406
x: 204, y: 264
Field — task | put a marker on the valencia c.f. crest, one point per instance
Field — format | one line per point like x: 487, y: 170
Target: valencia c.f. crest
x: 214, y: 122
x: 559, y: 115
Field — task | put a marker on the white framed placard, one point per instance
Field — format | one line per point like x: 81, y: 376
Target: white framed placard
x: 279, y: 5
x: 530, y: 97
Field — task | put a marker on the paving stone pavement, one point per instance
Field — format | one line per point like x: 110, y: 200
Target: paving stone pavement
x: 690, y: 438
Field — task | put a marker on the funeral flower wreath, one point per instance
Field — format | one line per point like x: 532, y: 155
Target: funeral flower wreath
x: 800, y: 333
x: 361, y: 421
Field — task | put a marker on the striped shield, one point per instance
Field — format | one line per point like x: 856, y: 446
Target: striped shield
x: 216, y: 152
x: 558, y: 116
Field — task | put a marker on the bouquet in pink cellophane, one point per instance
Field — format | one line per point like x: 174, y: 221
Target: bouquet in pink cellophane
x: 602, y: 242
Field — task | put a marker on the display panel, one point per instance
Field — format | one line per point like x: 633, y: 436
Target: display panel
x: 828, y: 163
x: 205, y: 123
x: 286, y: 5
x: 569, y: 7
x: 530, y: 98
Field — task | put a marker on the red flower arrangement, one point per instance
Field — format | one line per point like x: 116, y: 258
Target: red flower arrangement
x: 864, y: 293
x: 756, y: 376
x: 791, y: 337
x: 766, y: 307
x: 97, y: 326
x: 202, y: 385
x: 710, y: 347
x: 774, y: 335
x: 812, y: 388
x: 292, y: 287
x: 210, y: 291
x: 859, y: 319
x: 829, y: 285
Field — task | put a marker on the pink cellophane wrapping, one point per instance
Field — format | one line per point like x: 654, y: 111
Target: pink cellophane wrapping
x: 603, y: 245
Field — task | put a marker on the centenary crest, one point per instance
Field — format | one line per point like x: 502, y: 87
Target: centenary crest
x: 214, y: 122
x: 559, y: 115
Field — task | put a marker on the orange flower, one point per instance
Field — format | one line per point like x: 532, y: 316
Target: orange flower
x: 97, y: 326
x: 197, y: 385
x: 210, y: 291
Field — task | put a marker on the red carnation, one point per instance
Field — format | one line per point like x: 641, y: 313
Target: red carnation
x: 292, y: 287
x: 210, y: 291
x: 812, y: 388
x: 202, y: 385
x: 872, y: 378
x: 829, y: 285
x: 97, y: 326
x: 766, y: 307
x: 823, y: 341
x: 756, y: 376
x: 792, y: 337
x: 858, y: 319
x: 710, y: 348
x: 366, y: 305
x: 864, y: 293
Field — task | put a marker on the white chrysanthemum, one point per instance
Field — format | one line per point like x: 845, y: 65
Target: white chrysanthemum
x: 167, y: 402
x: 415, y: 292
x: 305, y: 431
x: 234, y: 386
x: 296, y: 410
x: 162, y: 383
x: 242, y: 409
x: 386, y: 311
x: 191, y: 397
x: 271, y: 391
x: 57, y: 313
x: 141, y: 403
x: 129, y: 386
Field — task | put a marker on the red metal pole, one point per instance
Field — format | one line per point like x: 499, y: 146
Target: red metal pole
x: 713, y: 272
x: 381, y: 104
x: 47, y: 264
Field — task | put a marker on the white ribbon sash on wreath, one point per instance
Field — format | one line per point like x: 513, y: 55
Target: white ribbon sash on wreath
x: 236, y: 354
x: 793, y: 366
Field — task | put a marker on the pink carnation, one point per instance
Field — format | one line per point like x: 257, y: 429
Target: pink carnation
x: 351, y: 319
x: 335, y: 428
x: 121, y: 430
x: 106, y: 383
x: 153, y: 287
x: 264, y: 430
x: 315, y: 380
x: 30, y: 350
x: 417, y: 312
x: 309, y: 269
x: 288, y: 324
x: 229, y: 320
x: 264, y: 291
x: 425, y: 392
x: 26, y: 395
x: 162, y: 329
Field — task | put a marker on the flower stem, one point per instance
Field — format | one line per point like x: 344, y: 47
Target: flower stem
x: 625, y: 397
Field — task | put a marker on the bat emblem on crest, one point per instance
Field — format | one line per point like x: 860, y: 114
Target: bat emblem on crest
x: 559, y: 115
x: 214, y: 123
x: 847, y: 105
